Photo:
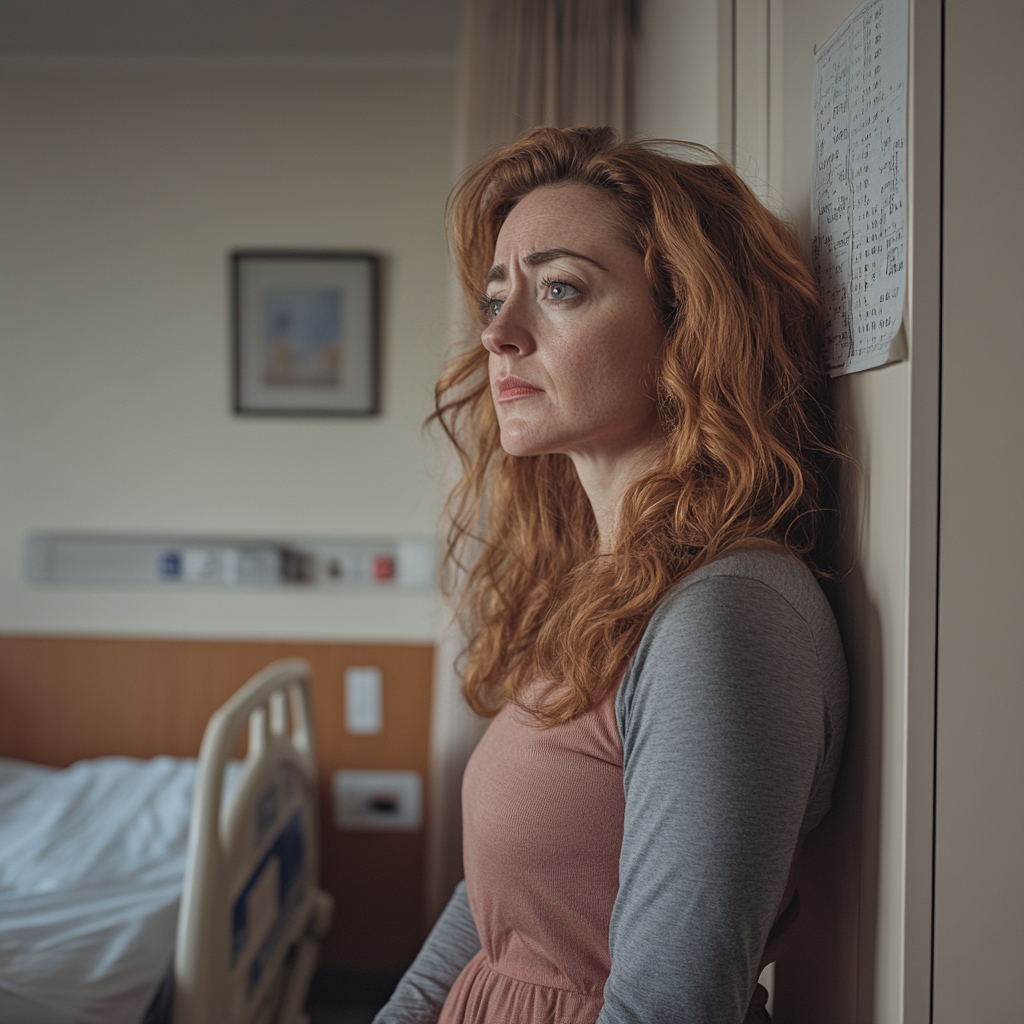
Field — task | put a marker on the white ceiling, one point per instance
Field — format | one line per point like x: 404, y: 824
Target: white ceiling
x: 227, y: 26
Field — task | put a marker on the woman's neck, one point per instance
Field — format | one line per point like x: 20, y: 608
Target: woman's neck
x: 606, y: 480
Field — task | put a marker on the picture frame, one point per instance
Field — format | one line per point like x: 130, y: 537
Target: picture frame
x: 305, y: 332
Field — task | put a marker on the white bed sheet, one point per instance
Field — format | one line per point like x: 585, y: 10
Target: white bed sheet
x: 91, y: 865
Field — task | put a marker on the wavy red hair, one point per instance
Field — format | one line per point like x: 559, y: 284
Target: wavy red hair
x: 741, y: 396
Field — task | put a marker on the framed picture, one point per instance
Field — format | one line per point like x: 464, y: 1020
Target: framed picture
x: 305, y: 333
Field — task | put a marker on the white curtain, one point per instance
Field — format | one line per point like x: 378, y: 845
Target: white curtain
x: 522, y: 63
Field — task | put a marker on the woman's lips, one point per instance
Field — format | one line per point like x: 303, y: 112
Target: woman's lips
x: 511, y: 388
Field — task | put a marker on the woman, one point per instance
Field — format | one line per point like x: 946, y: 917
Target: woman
x: 644, y: 449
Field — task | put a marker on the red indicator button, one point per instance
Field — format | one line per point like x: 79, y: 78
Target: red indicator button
x: 382, y: 567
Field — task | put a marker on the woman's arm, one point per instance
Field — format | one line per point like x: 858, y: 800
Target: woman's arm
x: 725, y: 725
x: 451, y: 944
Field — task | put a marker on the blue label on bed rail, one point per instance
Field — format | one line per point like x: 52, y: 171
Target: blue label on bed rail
x: 266, y: 812
x: 269, y: 898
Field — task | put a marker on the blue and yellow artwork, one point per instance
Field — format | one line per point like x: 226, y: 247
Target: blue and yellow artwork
x: 302, y: 332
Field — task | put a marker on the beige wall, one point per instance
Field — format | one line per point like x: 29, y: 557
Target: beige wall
x: 120, y: 197
x: 979, y: 856
x: 861, y: 951
x: 870, y: 959
x: 679, y: 92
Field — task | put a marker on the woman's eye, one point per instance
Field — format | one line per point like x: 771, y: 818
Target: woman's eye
x: 559, y: 290
x: 490, y: 307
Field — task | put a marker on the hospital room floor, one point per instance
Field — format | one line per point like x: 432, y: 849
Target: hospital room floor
x: 348, y: 997
x: 341, y: 1015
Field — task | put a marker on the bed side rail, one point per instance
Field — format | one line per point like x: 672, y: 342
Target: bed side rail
x: 249, y: 853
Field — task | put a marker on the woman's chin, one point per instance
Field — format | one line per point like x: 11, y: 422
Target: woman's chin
x: 521, y: 444
x: 518, y: 450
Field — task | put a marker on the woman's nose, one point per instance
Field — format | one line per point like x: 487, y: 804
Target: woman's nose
x: 508, y: 333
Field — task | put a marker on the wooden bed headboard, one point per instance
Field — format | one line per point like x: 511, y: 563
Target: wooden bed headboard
x: 65, y: 698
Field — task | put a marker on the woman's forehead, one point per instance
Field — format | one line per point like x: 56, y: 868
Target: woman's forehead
x: 563, y: 217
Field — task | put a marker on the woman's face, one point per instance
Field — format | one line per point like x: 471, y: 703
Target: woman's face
x: 572, y: 333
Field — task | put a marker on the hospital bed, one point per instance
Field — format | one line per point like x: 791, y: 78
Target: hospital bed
x: 168, y: 890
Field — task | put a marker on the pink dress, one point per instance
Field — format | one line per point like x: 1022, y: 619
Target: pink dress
x: 543, y: 814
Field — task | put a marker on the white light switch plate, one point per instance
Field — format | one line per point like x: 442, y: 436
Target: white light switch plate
x: 364, y: 701
x: 370, y: 801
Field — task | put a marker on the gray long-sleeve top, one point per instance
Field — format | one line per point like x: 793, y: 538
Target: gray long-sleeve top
x: 731, y: 716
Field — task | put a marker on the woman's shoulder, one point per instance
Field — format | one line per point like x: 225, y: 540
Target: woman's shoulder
x: 775, y: 570
x: 744, y: 647
x: 749, y: 614
x: 748, y: 586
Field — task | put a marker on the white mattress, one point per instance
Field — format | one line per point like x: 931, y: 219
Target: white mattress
x: 91, y: 865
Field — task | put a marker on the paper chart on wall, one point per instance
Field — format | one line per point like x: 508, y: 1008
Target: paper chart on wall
x: 858, y: 198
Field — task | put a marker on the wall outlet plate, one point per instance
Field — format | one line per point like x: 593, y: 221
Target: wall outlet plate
x: 372, y: 801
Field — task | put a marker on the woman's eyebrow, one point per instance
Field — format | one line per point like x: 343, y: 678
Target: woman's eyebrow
x: 535, y: 259
x: 499, y: 272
